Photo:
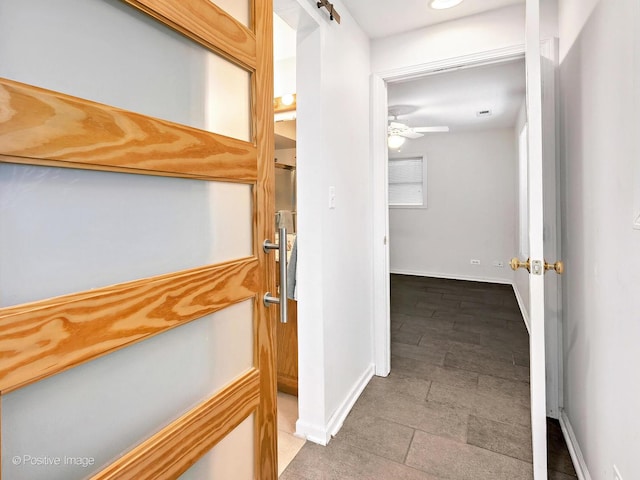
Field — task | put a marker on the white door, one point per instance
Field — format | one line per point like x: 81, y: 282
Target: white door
x: 134, y: 342
x: 540, y: 170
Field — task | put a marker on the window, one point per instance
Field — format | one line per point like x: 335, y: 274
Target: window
x: 407, y: 182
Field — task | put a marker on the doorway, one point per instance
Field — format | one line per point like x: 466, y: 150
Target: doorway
x: 380, y: 85
x: 285, y: 159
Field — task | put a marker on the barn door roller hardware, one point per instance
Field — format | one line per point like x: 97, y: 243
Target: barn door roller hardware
x: 333, y: 15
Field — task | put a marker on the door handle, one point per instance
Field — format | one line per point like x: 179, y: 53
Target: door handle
x: 516, y: 264
x: 558, y: 267
x: 281, y: 246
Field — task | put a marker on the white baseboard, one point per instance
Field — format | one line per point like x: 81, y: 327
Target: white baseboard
x: 322, y: 435
x: 339, y: 416
x: 523, y: 308
x: 448, y: 276
x: 313, y: 433
x: 574, y: 448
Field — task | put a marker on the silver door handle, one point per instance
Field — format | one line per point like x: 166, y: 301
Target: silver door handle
x: 281, y: 246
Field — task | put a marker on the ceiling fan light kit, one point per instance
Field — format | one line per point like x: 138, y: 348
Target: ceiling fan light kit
x: 442, y: 4
x: 398, y: 132
x: 395, y: 141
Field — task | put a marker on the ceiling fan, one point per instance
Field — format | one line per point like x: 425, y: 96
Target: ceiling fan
x: 398, y: 132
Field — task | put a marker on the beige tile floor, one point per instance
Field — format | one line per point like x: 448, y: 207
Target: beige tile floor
x: 288, y: 444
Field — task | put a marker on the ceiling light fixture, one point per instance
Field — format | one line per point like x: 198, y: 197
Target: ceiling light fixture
x: 288, y: 99
x: 442, y: 4
x: 395, y: 141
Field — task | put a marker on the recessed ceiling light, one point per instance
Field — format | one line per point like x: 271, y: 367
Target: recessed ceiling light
x: 442, y: 4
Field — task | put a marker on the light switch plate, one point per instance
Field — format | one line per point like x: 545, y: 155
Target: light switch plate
x: 332, y: 197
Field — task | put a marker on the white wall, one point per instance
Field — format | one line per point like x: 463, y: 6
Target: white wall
x: 334, y: 251
x: 520, y: 277
x: 600, y: 96
x: 284, y: 77
x: 478, y: 33
x: 471, y: 208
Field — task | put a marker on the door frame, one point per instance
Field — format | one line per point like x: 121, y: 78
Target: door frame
x: 381, y: 267
x: 380, y: 200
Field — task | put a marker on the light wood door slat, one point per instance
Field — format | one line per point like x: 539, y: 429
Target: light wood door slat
x: 44, y: 338
x: 207, y: 24
x: 177, y: 447
x: 39, y: 124
x: 266, y: 427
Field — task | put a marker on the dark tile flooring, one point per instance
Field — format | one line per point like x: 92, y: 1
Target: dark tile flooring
x: 456, y: 404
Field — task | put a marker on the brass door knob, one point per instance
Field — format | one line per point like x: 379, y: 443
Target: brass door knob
x: 558, y: 267
x: 516, y: 264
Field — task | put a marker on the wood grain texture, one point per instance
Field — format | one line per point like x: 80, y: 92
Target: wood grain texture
x: 288, y: 351
x: 46, y: 126
x: 177, y: 447
x: 207, y: 24
x: 266, y: 463
x: 43, y: 338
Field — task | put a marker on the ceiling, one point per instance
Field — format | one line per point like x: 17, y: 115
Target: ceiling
x: 453, y: 98
x: 381, y: 18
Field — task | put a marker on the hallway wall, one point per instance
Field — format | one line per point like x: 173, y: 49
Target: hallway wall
x: 491, y: 30
x: 334, y: 244
x: 600, y: 155
x: 471, y: 208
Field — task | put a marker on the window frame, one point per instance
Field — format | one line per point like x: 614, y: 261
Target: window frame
x: 423, y: 160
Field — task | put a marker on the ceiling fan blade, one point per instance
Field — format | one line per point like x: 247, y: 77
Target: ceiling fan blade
x: 409, y: 133
x: 431, y: 129
x: 397, y: 126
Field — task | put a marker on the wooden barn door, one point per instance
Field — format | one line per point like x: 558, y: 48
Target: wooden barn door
x: 136, y: 189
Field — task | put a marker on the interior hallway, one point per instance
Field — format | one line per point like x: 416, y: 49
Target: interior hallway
x: 456, y: 404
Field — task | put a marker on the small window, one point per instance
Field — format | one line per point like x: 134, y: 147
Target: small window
x: 407, y: 182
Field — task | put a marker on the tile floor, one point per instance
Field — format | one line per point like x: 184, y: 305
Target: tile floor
x: 456, y: 404
x: 288, y: 444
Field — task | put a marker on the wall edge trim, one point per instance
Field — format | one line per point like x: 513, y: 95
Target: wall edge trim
x: 322, y: 434
x: 574, y: 447
x: 523, y: 309
x: 312, y: 433
x: 473, y: 59
x: 471, y: 278
x: 337, y: 419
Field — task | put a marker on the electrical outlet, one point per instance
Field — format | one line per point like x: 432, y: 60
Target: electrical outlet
x: 498, y: 264
x: 475, y: 262
x: 616, y: 474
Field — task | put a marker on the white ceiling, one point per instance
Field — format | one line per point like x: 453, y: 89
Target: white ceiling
x: 453, y: 98
x: 381, y: 18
